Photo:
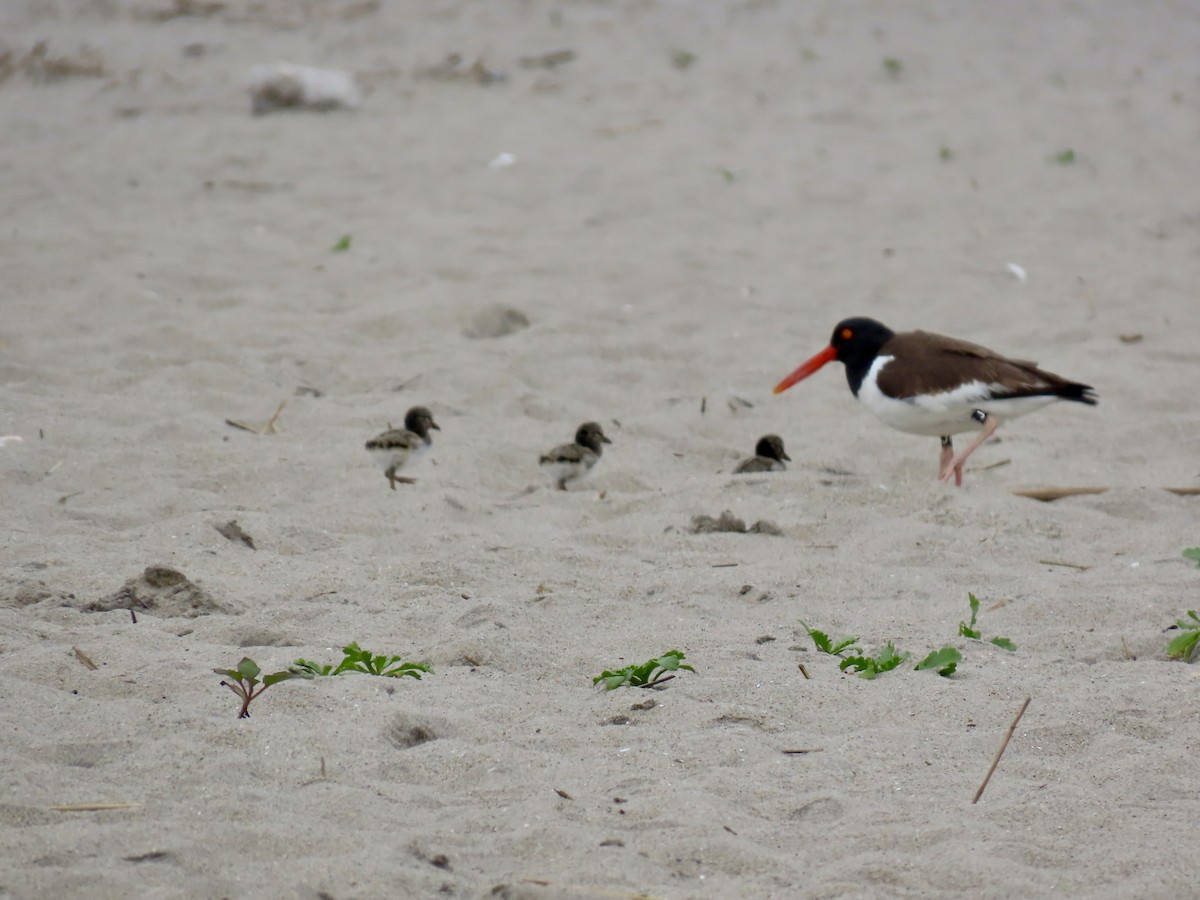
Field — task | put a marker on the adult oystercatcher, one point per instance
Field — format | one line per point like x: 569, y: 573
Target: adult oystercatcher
x: 940, y: 386
x: 400, y: 447
x: 570, y: 462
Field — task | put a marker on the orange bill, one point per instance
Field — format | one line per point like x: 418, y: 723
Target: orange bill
x: 828, y: 355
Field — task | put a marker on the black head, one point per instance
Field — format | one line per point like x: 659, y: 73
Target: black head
x: 859, y: 338
x: 857, y: 342
x: 419, y: 420
x: 591, y: 435
x: 771, y: 446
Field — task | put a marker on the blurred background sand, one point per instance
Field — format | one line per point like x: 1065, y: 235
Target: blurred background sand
x: 693, y: 201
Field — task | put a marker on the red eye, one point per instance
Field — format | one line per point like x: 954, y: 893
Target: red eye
x: 847, y: 334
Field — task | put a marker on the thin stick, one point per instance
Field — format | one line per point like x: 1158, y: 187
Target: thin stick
x: 1003, y: 747
x: 94, y: 807
x: 995, y: 465
x: 270, y: 428
x: 1065, y: 565
x: 84, y: 658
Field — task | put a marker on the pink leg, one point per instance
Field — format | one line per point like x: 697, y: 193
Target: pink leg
x: 990, y: 424
x: 947, y: 456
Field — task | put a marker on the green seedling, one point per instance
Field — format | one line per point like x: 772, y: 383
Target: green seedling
x: 245, y: 680
x: 359, y: 660
x: 893, y: 66
x: 968, y: 630
x: 683, y: 59
x: 822, y: 642
x: 342, y: 245
x: 870, y: 666
x: 651, y: 673
x: 1063, y: 157
x: 943, y: 661
x: 1183, y: 645
x: 1193, y: 553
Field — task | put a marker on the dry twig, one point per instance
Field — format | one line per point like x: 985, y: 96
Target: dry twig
x: 1000, y: 752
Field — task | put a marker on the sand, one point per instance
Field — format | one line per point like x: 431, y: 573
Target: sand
x: 686, y: 209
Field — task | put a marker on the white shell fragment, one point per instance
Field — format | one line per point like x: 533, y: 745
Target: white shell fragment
x: 276, y: 86
x: 1018, y: 272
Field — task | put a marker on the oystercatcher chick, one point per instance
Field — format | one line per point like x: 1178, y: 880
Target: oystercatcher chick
x: 400, y: 447
x: 769, y: 456
x: 940, y: 386
x: 570, y: 462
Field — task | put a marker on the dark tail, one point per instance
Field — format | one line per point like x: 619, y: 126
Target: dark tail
x: 1080, y: 393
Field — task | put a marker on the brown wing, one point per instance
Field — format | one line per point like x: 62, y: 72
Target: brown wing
x: 757, y: 464
x: 396, y: 439
x: 928, y: 363
x: 567, y: 453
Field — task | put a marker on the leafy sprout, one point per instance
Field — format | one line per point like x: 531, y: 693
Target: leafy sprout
x: 342, y: 245
x: 245, y: 680
x: 683, y: 59
x: 651, y: 673
x: 968, y: 629
x: 870, y: 666
x: 1183, y: 645
x: 1063, y: 157
x: 823, y: 643
x: 893, y: 66
x: 943, y: 661
x: 358, y: 660
x: 1193, y: 553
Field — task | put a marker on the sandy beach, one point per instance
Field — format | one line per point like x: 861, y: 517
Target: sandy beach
x: 665, y: 207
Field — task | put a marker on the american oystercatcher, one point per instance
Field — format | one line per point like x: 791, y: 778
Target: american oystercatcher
x: 400, y: 447
x: 570, y: 462
x: 769, y: 456
x: 940, y: 386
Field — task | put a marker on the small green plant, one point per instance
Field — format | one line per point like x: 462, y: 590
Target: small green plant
x: 893, y: 66
x: 683, y: 59
x: 870, y: 666
x: 943, y: 661
x: 975, y: 634
x: 1183, y: 645
x: 651, y: 673
x: 1063, y: 157
x: 245, y: 680
x: 358, y: 660
x: 1193, y: 553
x: 342, y: 245
x: 823, y: 643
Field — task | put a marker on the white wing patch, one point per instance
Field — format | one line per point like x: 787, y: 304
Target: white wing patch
x: 949, y: 412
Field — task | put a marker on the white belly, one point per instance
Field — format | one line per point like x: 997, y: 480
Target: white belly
x: 561, y: 471
x: 947, y: 413
x: 398, y: 457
